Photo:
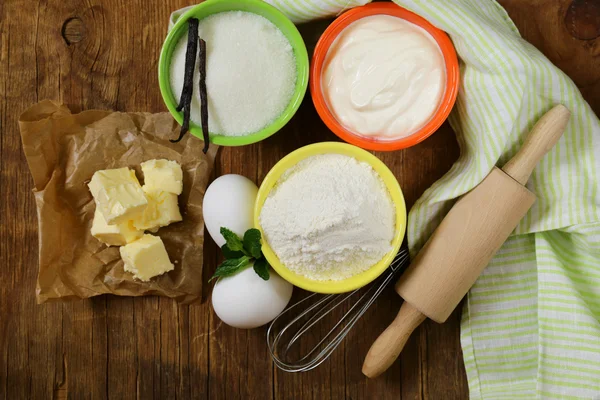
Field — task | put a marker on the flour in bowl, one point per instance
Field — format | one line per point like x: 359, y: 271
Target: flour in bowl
x: 329, y: 217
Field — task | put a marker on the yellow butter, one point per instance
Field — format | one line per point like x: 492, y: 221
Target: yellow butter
x: 163, y: 175
x: 118, y: 194
x: 162, y: 210
x: 114, y: 235
x: 146, y: 258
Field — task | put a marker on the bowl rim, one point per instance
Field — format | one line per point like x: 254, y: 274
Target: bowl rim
x: 391, y: 183
x: 280, y: 21
x: 320, y: 53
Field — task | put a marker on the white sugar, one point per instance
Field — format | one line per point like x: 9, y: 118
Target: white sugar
x: 250, y: 72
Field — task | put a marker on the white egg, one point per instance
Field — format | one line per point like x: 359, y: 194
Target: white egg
x: 246, y: 301
x: 229, y: 202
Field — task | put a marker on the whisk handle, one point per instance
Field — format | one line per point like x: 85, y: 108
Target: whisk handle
x: 389, y: 344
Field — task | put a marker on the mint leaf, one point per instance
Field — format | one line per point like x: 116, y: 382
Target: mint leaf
x: 252, y: 243
x: 230, y: 267
x: 261, y: 267
x: 239, y: 253
x: 230, y: 254
x: 233, y: 241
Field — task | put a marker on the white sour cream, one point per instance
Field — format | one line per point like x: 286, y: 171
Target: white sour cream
x: 383, y: 77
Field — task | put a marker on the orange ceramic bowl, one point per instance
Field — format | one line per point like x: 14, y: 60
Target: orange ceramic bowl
x: 370, y: 143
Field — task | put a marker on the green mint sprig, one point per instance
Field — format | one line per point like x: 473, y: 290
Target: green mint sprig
x: 239, y: 253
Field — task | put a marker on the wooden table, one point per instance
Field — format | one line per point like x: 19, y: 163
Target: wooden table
x: 103, y: 54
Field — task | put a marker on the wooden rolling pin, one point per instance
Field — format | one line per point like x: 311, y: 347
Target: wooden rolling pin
x: 465, y: 242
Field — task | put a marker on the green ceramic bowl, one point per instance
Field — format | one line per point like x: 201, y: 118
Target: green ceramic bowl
x: 254, y: 6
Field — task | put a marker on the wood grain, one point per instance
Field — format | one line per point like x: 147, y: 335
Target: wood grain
x: 543, y: 137
x: 388, y: 346
x: 103, y: 54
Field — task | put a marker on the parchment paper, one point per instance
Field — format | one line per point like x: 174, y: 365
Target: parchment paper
x: 63, y: 151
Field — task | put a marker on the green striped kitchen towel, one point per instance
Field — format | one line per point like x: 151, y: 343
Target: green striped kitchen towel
x: 531, y: 324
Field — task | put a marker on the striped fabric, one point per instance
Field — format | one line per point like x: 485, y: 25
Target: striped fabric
x: 531, y: 324
x: 306, y: 10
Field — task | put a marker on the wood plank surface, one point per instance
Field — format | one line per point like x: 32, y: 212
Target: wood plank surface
x: 104, y: 54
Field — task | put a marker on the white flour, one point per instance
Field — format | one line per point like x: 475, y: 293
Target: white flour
x: 329, y: 217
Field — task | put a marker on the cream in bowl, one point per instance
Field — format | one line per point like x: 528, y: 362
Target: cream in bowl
x: 383, y: 76
x: 332, y: 217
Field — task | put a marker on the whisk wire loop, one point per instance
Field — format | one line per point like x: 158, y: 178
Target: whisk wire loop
x: 309, y: 316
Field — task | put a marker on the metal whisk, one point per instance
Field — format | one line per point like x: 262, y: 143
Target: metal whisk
x: 284, y: 337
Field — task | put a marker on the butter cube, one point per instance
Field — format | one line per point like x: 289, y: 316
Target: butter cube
x: 162, y: 210
x: 118, y: 194
x: 114, y: 235
x: 164, y: 175
x: 146, y: 258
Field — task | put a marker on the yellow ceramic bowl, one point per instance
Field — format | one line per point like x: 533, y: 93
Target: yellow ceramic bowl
x: 393, y: 187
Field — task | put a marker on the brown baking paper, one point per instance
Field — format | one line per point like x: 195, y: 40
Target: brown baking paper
x: 63, y: 151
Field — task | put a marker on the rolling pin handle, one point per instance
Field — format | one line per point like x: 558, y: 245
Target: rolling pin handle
x: 543, y: 136
x: 386, y: 349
